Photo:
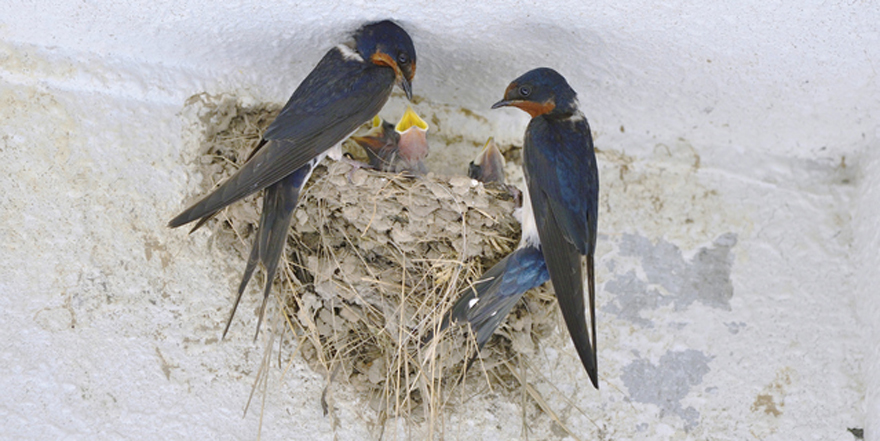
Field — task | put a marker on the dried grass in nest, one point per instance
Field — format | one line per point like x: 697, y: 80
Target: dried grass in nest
x: 373, y: 261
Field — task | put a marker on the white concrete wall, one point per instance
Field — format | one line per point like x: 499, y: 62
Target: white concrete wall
x: 757, y: 119
x: 866, y: 261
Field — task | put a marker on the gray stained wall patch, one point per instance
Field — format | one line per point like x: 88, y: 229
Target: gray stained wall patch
x: 705, y: 278
x: 668, y: 382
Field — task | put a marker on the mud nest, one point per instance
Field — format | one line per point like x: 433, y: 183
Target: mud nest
x: 372, y: 263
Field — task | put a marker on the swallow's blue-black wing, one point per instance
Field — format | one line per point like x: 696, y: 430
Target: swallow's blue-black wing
x: 486, y: 305
x: 560, y: 169
x: 561, y: 166
x: 339, y: 95
x: 279, y: 201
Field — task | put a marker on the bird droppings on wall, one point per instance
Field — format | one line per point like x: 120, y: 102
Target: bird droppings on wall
x: 769, y: 403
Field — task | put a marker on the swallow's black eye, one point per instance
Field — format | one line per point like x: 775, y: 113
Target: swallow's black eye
x: 525, y: 91
x: 402, y: 58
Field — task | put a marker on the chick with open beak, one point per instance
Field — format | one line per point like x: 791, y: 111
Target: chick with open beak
x: 413, y: 144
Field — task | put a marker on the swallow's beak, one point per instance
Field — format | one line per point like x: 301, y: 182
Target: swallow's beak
x: 531, y: 107
x: 410, y: 119
x: 490, y: 152
x: 502, y: 103
x: 405, y: 85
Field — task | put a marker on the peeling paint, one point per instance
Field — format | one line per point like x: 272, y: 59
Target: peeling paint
x: 632, y: 297
x: 668, y: 382
x: 705, y: 278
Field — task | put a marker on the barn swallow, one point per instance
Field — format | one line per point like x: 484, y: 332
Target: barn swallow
x: 349, y: 86
x: 560, y: 210
x: 562, y: 178
x: 488, y: 166
x: 400, y: 148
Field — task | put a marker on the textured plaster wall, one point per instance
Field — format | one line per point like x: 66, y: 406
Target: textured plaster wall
x: 866, y: 261
x: 737, y: 263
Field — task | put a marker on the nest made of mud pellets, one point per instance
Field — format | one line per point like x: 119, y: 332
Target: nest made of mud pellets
x: 373, y: 261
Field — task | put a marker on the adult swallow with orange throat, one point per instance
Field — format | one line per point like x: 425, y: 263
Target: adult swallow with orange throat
x: 347, y: 88
x: 560, y: 208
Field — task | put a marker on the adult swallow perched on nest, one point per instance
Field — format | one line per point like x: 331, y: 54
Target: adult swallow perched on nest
x: 560, y: 210
x: 347, y: 88
x: 400, y: 148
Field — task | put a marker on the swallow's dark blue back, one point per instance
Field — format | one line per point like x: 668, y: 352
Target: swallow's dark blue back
x: 338, y: 96
x: 337, y: 92
x: 560, y: 168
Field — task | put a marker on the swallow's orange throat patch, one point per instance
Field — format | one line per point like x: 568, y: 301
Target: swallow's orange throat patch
x: 535, y: 109
x: 383, y: 59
